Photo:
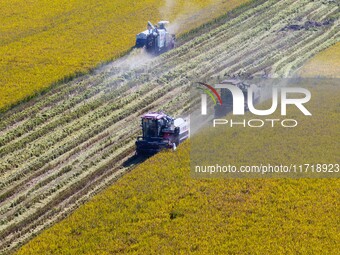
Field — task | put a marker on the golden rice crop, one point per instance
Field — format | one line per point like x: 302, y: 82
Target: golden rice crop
x: 159, y: 209
x: 42, y: 42
x: 324, y: 64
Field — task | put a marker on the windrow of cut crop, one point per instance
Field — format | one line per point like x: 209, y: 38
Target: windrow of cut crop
x: 72, y: 143
x: 112, y: 144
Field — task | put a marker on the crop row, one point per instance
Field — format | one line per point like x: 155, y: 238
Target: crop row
x: 88, y: 159
x: 163, y: 63
x: 69, y: 145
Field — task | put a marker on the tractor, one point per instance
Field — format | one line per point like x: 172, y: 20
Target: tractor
x: 161, y: 131
x: 156, y: 39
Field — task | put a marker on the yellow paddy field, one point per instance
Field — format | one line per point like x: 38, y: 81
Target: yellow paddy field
x: 158, y: 208
x: 324, y: 64
x: 43, y: 42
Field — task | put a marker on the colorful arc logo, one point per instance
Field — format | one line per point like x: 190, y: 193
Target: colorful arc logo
x: 208, y: 90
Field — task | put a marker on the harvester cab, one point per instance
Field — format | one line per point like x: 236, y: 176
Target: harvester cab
x: 156, y: 39
x: 161, y: 131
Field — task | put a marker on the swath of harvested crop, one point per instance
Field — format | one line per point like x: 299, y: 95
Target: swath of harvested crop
x: 160, y: 209
x: 61, y: 148
x: 46, y: 42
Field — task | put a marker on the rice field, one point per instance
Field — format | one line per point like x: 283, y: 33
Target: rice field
x: 45, y: 43
x: 324, y: 64
x: 61, y: 148
x: 160, y: 209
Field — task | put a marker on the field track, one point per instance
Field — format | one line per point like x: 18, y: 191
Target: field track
x: 59, y: 149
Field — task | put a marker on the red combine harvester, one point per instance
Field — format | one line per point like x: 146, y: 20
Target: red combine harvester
x: 161, y: 131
